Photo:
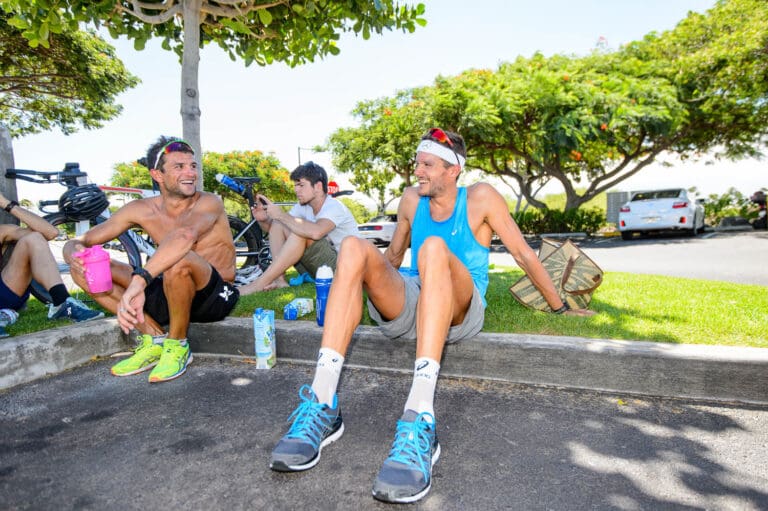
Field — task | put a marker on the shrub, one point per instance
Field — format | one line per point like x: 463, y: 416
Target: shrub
x: 538, y: 221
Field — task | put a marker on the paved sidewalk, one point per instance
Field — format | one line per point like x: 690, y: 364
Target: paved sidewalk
x: 86, y: 440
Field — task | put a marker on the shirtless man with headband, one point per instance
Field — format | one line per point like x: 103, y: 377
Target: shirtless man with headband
x: 441, y: 299
x: 189, y: 278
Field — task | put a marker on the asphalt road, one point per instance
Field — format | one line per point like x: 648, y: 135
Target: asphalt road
x: 86, y: 440
x: 740, y: 257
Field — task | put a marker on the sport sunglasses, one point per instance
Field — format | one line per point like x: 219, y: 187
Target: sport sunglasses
x: 439, y: 136
x: 172, y: 147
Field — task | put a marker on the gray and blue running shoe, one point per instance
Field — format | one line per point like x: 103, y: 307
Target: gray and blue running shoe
x: 315, y: 425
x: 406, y: 475
x: 73, y: 309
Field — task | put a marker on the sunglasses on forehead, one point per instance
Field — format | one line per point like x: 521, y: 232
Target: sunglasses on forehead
x: 174, y: 146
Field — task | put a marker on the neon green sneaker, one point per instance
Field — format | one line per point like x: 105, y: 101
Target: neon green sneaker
x: 145, y: 356
x: 173, y: 361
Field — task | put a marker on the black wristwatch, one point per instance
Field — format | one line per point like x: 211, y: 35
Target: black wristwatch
x: 144, y: 274
x: 11, y: 204
x: 562, y: 309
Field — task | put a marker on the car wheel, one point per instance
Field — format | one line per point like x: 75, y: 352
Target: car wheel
x: 695, y: 230
x: 626, y: 235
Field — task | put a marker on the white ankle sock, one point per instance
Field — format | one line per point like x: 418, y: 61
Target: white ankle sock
x: 327, y: 374
x: 422, y: 395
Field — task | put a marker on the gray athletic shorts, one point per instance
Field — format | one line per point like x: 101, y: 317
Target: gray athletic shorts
x: 404, y: 326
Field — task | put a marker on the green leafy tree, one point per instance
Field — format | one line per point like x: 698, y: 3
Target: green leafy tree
x: 358, y: 210
x: 382, y: 147
x: 291, y: 31
x: 131, y: 174
x: 593, y: 121
x: 71, y: 82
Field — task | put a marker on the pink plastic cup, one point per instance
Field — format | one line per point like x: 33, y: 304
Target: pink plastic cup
x: 98, y: 275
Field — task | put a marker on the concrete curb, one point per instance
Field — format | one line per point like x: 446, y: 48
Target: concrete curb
x: 715, y: 373
x: 28, y: 357
x: 712, y: 373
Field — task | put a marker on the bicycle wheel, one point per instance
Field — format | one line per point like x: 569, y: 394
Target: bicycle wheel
x: 248, y: 242
x: 121, y: 248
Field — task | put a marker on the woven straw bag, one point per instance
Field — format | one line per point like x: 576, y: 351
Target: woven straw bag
x: 574, y: 274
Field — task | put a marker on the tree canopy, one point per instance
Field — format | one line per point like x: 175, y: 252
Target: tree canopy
x: 381, y: 148
x: 599, y: 118
x: 290, y: 31
x: 71, y: 82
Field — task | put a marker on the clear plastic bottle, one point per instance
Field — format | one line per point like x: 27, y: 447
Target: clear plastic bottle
x: 297, y: 307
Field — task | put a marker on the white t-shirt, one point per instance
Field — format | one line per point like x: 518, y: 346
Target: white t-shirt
x: 335, y: 211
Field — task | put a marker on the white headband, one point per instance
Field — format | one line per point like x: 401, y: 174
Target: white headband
x: 432, y: 147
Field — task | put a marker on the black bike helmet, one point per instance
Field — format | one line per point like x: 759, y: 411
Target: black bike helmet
x: 83, y: 202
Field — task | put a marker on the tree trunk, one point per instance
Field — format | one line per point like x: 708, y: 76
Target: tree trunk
x: 7, y: 186
x: 190, y: 97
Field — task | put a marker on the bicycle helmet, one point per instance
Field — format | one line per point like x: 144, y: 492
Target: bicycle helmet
x: 83, y: 202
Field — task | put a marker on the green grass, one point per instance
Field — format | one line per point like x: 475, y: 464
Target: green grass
x: 628, y: 306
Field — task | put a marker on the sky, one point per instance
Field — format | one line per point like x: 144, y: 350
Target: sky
x: 281, y: 109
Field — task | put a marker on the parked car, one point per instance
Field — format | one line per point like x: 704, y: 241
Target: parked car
x: 661, y: 210
x: 379, y: 230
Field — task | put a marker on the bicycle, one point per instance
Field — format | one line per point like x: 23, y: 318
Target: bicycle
x: 79, y: 208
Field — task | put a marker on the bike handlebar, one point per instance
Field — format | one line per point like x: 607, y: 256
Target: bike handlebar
x: 68, y: 176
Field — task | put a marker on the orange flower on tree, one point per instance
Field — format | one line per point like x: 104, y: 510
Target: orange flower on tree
x: 604, y: 126
x: 576, y: 155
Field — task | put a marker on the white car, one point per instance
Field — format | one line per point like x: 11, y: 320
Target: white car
x: 379, y: 230
x: 661, y: 210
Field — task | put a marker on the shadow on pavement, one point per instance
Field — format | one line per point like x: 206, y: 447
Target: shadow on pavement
x: 86, y: 440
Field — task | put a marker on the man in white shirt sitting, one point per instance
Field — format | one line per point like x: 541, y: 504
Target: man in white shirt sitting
x: 309, y: 235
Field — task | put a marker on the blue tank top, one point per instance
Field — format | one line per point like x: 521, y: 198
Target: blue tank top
x: 456, y: 233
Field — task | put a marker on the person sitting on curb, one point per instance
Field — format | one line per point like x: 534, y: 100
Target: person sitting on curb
x: 309, y: 235
x: 26, y: 256
x: 187, y: 279
x: 442, y: 299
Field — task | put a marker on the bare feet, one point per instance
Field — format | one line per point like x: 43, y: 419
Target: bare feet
x: 279, y: 282
x: 258, y: 285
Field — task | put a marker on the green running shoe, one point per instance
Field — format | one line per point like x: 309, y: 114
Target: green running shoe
x: 144, y: 357
x: 173, y: 361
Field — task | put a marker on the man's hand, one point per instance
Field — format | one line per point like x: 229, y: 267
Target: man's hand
x: 259, y: 209
x: 130, y: 309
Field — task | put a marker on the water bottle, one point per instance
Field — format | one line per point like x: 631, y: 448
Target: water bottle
x: 323, y: 281
x: 264, y: 338
x: 297, y: 307
x: 230, y: 183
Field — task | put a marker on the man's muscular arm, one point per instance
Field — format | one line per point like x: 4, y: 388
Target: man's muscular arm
x: 497, y: 216
x: 401, y: 238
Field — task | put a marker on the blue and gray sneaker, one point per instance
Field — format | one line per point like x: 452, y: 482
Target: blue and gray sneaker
x: 406, y: 475
x: 73, y: 309
x: 315, y: 425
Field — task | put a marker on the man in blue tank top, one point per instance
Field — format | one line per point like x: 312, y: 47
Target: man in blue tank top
x: 440, y: 299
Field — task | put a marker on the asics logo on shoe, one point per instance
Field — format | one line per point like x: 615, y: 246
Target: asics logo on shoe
x: 226, y: 293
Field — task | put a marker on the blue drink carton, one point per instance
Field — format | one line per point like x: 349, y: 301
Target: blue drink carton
x: 264, y: 338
